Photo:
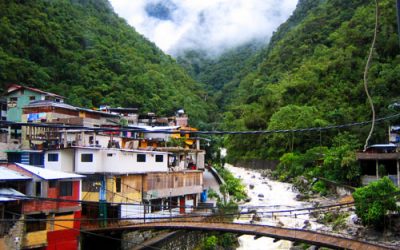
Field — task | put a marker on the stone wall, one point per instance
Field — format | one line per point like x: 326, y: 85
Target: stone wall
x: 16, y: 232
x: 181, y: 240
x: 258, y: 164
x: 137, y: 239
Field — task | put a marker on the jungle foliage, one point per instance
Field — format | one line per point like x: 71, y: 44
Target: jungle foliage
x: 311, y: 75
x: 375, y: 201
x: 82, y: 50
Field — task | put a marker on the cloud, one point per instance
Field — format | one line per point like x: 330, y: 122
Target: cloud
x: 211, y: 25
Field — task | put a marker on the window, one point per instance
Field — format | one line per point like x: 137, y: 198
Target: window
x: 32, y: 98
x: 86, y: 157
x: 52, y: 157
x: 36, y: 159
x: 159, y: 158
x: 38, y: 188
x: 52, y: 184
x: 118, y: 185
x: 37, y: 224
x: 66, y: 188
x: 141, y: 158
x: 12, y: 103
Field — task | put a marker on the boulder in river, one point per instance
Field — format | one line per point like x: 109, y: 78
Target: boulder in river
x: 261, y: 195
x: 251, y: 186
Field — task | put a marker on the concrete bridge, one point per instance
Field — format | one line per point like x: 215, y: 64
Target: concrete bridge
x: 291, y: 234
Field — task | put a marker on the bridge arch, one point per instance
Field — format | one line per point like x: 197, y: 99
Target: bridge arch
x: 297, y: 235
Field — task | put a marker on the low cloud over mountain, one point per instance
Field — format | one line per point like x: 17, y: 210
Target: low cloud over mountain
x: 212, y: 25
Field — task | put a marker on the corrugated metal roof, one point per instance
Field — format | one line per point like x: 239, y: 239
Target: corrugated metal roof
x: 49, y: 174
x: 22, y: 151
x: 389, y: 145
x: 9, y: 175
x: 15, y: 87
x: 49, y: 103
x: 8, y: 192
x: 155, y: 128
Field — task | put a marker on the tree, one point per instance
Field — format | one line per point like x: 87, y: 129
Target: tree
x: 373, y: 202
x: 293, y: 117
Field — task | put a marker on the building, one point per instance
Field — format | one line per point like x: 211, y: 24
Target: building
x: 128, y: 182
x: 47, y: 195
x: 54, y: 113
x: 380, y: 160
x: 19, y: 96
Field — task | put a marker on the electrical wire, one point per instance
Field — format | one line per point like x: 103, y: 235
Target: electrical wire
x: 367, y: 65
x: 213, y: 132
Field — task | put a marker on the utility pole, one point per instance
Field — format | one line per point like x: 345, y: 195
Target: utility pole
x: 398, y: 18
x: 144, y: 205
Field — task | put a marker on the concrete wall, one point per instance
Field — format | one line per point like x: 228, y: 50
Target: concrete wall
x: 88, y: 167
x: 117, y: 161
x: 65, y: 160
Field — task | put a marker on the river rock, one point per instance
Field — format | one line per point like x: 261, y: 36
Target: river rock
x: 352, y: 231
x: 251, y: 186
x: 307, y: 224
x: 261, y: 195
x: 253, y: 177
x: 300, y: 197
x: 280, y: 224
x: 256, y: 217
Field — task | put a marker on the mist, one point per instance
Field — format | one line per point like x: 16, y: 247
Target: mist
x: 209, y: 25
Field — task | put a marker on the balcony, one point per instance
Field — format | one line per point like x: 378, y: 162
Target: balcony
x: 162, y: 185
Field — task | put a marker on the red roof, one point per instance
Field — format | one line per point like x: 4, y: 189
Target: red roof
x: 15, y: 87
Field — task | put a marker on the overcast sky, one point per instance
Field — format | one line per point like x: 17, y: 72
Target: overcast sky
x: 213, y: 25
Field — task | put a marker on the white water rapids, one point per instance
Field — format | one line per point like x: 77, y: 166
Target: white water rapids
x: 276, y: 196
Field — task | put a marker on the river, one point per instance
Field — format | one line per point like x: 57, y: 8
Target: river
x: 268, y: 195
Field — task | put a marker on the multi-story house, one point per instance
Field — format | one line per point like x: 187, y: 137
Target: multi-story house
x: 48, y: 201
x: 19, y: 96
x: 382, y: 159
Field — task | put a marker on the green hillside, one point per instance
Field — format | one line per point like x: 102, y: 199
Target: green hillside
x: 81, y: 49
x: 312, y: 75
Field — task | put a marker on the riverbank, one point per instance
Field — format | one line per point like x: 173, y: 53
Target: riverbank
x: 269, y: 195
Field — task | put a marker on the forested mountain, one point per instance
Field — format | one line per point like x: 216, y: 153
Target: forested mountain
x: 311, y: 74
x: 81, y: 49
x: 221, y: 73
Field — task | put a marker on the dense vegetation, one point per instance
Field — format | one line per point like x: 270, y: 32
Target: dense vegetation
x: 221, y: 73
x: 232, y: 187
x: 81, y: 49
x: 311, y: 75
x: 375, y: 201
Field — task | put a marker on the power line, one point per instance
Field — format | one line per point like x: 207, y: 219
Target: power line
x: 150, y: 205
x: 212, y: 132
